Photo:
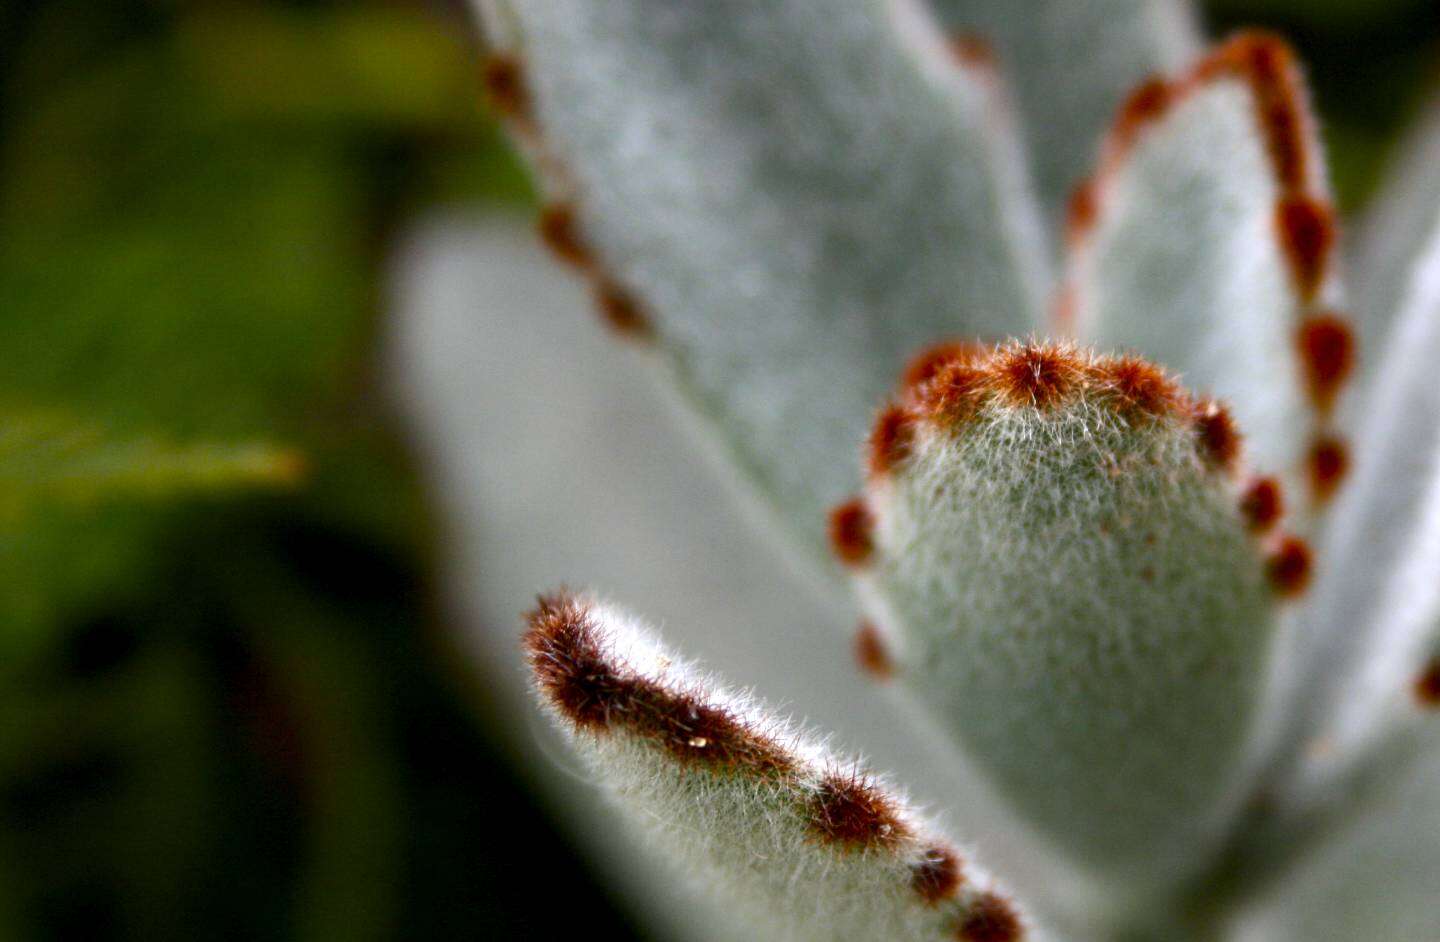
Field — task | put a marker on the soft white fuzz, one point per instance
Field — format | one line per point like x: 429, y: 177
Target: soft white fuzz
x: 806, y: 845
x: 1063, y: 571
x: 797, y: 195
x: 1179, y: 251
x: 1376, y: 615
x: 1394, y: 234
x: 1069, y: 65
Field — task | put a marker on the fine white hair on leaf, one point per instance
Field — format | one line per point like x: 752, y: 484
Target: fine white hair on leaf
x: 1394, y: 233
x: 785, y: 199
x: 1061, y: 544
x: 1375, y: 619
x: 1069, y: 65
x: 1222, y: 268
x: 804, y: 844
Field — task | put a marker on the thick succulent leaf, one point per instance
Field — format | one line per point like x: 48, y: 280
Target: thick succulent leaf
x: 483, y: 315
x: 786, y: 199
x: 1377, y: 611
x: 1376, y: 878
x: 1069, y: 65
x: 1395, y: 232
x: 1060, y: 562
x: 805, y: 844
x: 1204, y: 242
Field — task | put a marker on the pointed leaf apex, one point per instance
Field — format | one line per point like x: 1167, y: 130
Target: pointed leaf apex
x: 590, y: 685
x: 802, y: 841
x: 1270, y: 66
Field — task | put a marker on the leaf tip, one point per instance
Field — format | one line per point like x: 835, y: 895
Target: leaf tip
x: 578, y: 673
x: 1035, y: 375
x: 1267, y: 63
x: 568, y: 662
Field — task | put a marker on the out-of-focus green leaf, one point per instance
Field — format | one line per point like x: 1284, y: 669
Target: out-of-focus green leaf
x: 384, y: 67
x: 47, y: 458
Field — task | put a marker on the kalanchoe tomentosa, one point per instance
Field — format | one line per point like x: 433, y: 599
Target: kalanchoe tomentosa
x: 1098, y: 531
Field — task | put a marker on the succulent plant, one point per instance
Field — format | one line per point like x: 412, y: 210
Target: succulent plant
x: 1101, y: 541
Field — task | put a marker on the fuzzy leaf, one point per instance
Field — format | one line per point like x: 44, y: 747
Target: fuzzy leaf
x: 1395, y: 233
x: 806, y: 845
x: 1377, y: 612
x: 1205, y: 242
x: 1069, y: 65
x: 1061, y: 570
x: 787, y: 199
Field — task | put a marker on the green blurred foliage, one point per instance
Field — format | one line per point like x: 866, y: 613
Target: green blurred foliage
x: 224, y: 711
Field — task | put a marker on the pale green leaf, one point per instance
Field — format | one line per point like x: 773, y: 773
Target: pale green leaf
x: 1181, y: 253
x: 1069, y: 66
x: 799, y: 196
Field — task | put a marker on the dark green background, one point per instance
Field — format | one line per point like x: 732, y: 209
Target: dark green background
x: 235, y: 712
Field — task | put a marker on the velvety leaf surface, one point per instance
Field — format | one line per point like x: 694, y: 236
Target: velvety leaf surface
x: 1205, y: 241
x: 1069, y: 65
x: 1056, y: 553
x: 787, y: 200
x: 809, y: 845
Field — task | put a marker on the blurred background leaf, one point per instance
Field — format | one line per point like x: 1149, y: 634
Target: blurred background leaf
x: 227, y: 709
x: 229, y: 706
